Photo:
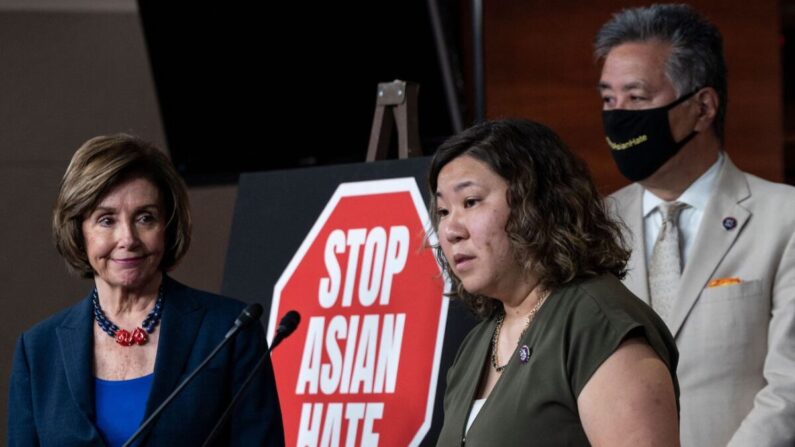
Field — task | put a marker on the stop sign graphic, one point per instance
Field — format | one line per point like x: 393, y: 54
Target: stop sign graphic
x: 361, y: 368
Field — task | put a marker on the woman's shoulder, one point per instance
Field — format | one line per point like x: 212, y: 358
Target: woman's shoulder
x: 604, y: 307
x: 218, y: 311
x: 605, y: 294
x: 211, y: 315
x: 71, y: 316
x: 597, y: 314
x: 175, y: 290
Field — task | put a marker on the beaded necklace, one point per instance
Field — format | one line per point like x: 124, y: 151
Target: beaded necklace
x: 122, y: 336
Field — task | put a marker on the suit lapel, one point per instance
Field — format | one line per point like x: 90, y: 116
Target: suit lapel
x: 182, y: 317
x: 712, y: 240
x: 637, y: 280
x: 75, y: 339
x: 179, y: 327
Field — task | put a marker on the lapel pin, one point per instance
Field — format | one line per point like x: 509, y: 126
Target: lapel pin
x: 524, y: 354
x: 729, y: 223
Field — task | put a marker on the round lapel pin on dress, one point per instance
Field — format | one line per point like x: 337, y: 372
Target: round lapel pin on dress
x: 729, y: 223
x: 524, y: 354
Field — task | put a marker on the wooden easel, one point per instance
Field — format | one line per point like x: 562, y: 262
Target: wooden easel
x: 401, y: 98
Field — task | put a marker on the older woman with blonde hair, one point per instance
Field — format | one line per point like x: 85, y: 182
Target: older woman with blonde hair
x: 92, y: 373
x: 565, y: 355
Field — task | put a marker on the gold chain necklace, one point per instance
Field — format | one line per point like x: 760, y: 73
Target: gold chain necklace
x: 496, y: 336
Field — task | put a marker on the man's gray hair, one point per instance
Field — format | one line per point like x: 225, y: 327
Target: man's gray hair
x: 696, y: 59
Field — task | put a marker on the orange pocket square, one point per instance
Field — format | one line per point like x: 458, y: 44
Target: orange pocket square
x: 719, y: 282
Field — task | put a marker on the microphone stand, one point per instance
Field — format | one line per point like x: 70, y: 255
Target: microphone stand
x: 239, y: 324
x: 235, y: 398
x: 280, y: 335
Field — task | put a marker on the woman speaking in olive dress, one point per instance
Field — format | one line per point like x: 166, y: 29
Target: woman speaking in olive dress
x: 564, y: 355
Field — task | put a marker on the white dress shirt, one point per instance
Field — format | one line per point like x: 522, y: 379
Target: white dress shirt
x: 696, y: 197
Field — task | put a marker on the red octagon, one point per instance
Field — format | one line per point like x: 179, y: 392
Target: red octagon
x: 361, y: 368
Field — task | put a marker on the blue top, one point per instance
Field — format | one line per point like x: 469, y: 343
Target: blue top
x: 120, y: 406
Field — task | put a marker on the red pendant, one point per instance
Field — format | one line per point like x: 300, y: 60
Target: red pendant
x: 124, y: 338
x: 139, y: 336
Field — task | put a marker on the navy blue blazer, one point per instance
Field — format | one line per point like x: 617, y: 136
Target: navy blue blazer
x: 51, y: 397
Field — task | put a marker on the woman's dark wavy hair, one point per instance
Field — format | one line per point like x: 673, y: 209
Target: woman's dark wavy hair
x: 559, y: 227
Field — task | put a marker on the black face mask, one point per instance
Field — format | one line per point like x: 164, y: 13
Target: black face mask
x: 641, y: 140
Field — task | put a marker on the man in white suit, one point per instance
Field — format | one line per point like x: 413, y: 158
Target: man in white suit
x: 720, y: 267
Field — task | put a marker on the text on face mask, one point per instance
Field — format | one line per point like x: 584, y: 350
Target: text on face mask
x: 621, y: 146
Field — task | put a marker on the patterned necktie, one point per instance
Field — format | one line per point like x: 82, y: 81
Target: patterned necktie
x: 665, y: 267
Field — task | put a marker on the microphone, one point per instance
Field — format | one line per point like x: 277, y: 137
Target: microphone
x: 286, y: 327
x: 251, y: 313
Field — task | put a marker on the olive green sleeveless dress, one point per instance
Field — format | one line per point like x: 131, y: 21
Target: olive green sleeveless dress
x: 534, y: 403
